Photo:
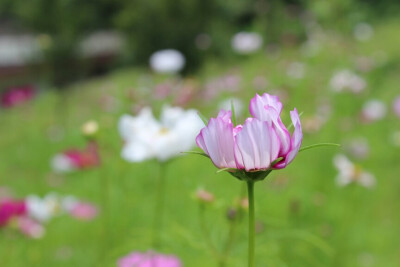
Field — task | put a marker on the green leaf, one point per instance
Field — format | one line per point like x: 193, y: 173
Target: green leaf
x: 318, y: 145
x: 291, y: 124
x: 203, y: 118
x: 196, y: 153
x: 233, y: 114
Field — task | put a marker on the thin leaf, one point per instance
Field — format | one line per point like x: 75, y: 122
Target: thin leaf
x: 318, y: 145
x: 203, y: 118
x: 291, y: 123
x: 233, y: 113
x: 196, y: 153
x: 224, y: 169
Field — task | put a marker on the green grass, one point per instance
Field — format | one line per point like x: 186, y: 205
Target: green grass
x: 308, y: 220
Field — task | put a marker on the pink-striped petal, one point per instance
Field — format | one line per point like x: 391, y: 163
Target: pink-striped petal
x: 257, y: 145
x: 258, y: 103
x: 216, y: 140
x: 296, y: 140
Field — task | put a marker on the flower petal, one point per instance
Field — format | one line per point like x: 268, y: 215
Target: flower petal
x: 296, y: 140
x: 257, y: 145
x: 258, y: 103
x: 216, y: 140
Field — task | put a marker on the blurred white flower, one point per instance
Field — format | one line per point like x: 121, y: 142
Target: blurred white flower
x: 246, y: 42
x: 147, y: 138
x: 61, y: 163
x: 373, y: 110
x: 363, y: 31
x: 227, y: 104
x: 43, y: 209
x: 167, y: 61
x: 296, y: 70
x: 358, y: 147
x: 347, y: 80
x: 351, y: 173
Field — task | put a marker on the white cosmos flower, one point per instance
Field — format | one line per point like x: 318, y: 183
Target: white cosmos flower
x: 167, y: 61
x: 351, y: 173
x: 43, y: 209
x: 374, y: 110
x: 347, y: 80
x: 363, y: 31
x: 147, y: 138
x: 246, y: 42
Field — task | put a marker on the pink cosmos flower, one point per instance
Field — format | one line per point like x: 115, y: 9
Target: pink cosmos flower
x: 16, y: 96
x: 11, y: 208
x: 74, y: 159
x: 83, y: 211
x: 30, y: 227
x: 261, y: 143
x: 149, y: 259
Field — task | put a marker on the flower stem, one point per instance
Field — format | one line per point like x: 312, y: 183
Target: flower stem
x: 159, y: 206
x: 250, y: 190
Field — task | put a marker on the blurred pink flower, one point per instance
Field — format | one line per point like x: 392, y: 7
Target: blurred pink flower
x: 11, y: 208
x: 149, y: 259
x: 373, y: 110
x: 30, y: 227
x: 396, y: 106
x: 256, y: 144
x: 74, y: 159
x: 83, y: 211
x: 16, y: 96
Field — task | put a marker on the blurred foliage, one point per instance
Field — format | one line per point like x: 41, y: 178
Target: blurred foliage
x: 159, y: 24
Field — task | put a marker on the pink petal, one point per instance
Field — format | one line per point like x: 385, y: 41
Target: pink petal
x: 258, y: 103
x: 257, y: 145
x: 295, y: 142
x: 268, y: 108
x: 216, y: 140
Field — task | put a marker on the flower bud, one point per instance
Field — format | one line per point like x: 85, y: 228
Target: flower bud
x: 90, y: 128
x: 204, y: 196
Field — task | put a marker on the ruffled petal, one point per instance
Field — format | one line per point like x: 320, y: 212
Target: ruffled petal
x: 216, y: 140
x: 296, y: 140
x: 258, y: 103
x: 257, y: 145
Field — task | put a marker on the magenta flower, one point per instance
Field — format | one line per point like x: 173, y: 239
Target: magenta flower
x: 262, y: 143
x: 149, y: 259
x: 10, y: 209
x: 75, y: 159
x: 16, y: 96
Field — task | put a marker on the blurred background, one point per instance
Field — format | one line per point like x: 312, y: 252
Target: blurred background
x: 64, y: 63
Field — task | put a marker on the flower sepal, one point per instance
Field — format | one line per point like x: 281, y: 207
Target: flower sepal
x: 252, y: 176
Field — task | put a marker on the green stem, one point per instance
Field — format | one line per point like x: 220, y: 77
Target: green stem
x: 159, y: 206
x: 250, y: 190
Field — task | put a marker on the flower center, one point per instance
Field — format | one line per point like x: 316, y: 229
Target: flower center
x: 164, y: 131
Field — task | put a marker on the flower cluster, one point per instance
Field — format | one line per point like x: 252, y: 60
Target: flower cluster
x: 261, y: 143
x: 31, y: 213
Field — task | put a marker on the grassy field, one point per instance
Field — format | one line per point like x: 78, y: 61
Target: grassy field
x: 306, y: 218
